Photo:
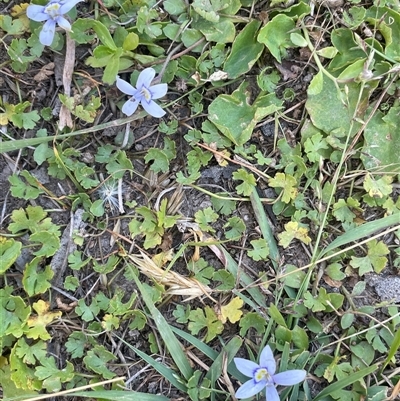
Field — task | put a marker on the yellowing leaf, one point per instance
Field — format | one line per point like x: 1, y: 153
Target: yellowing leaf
x: 39, y: 322
x: 19, y: 11
x: 3, y: 119
x: 287, y: 183
x: 292, y: 230
x: 231, y: 311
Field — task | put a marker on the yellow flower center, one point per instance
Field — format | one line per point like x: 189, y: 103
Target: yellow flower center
x: 262, y: 374
x: 52, y: 10
x: 146, y: 94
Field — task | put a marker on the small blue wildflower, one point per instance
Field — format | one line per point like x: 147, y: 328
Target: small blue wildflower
x: 53, y: 14
x: 263, y: 376
x: 144, y: 94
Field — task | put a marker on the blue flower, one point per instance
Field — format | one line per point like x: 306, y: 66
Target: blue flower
x: 144, y: 94
x: 53, y: 14
x: 263, y: 376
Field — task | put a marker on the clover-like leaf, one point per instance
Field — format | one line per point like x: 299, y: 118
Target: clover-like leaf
x: 37, y: 323
x: 205, y: 319
x: 287, y: 183
x: 231, y: 311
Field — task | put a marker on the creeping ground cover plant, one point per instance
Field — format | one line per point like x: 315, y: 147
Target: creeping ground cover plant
x: 263, y: 376
x: 184, y: 182
x: 53, y: 13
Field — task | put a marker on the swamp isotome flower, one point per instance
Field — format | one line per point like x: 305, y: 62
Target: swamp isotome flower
x: 144, y: 94
x: 263, y: 375
x: 53, y: 14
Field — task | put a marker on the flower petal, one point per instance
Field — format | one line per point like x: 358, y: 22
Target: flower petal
x: 125, y: 87
x: 245, y: 366
x: 145, y: 78
x: 67, y: 5
x: 46, y: 35
x: 267, y: 360
x: 63, y: 23
x: 130, y: 106
x: 290, y: 377
x: 36, y: 13
x: 250, y: 388
x: 272, y: 393
x: 153, y: 108
x: 158, y: 91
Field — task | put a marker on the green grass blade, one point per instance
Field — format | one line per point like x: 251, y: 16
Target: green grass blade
x: 116, y: 395
x: 362, y: 231
x: 165, y: 371
x: 340, y: 384
x: 393, y: 348
x: 245, y: 280
x: 230, y: 350
x: 265, y: 228
x: 174, y: 347
x: 209, y: 352
x: 9, y: 146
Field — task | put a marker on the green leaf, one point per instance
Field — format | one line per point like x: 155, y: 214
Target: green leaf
x: 52, y: 376
x: 276, y: 35
x: 78, y: 343
x: 207, y: 9
x: 31, y: 353
x: 226, y: 278
x: 381, y: 141
x: 347, y: 320
x: 223, y: 206
x: 181, y: 313
x: 12, y: 27
x: 160, y: 161
x: 248, y: 184
x: 33, y: 219
x: 251, y: 320
x: 313, y: 147
x: 260, y: 249
x: 13, y: 313
x: 237, y: 228
x: 375, y: 260
x: 9, y: 252
x: 26, y: 120
x: 245, y: 51
x: 205, y: 319
x: 298, y: 39
x: 300, y: 338
x: 174, y: 7
x: 316, y: 84
x: 35, y: 281
x: 87, y: 313
x: 22, y: 375
x: 378, y: 188
x: 363, y: 354
x: 96, y: 360
x: 236, y: 118
x: 204, y: 217
x: 287, y: 183
x: 273, y: 311
x: 202, y: 270
x: 50, y: 243
x: 131, y: 42
x: 29, y: 190
x: 294, y: 277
